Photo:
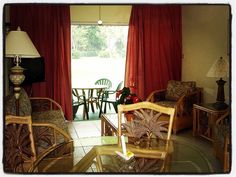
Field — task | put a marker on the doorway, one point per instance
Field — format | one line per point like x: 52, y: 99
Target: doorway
x: 97, y: 51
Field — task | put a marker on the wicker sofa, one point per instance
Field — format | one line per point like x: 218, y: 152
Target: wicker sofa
x: 48, y: 124
x: 181, y: 96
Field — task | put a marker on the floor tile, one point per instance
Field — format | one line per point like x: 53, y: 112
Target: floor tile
x: 89, y: 134
x: 98, y: 140
x: 87, y: 149
x: 91, y: 141
x: 87, y: 128
x: 74, y: 135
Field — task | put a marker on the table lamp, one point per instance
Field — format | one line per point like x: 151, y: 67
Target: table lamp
x: 220, y: 69
x: 19, y: 45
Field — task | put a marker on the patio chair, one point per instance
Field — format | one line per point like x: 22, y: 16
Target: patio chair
x: 102, y: 93
x: 77, y: 101
x: 110, y: 98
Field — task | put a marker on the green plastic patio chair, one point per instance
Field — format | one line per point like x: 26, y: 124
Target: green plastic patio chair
x: 110, y: 98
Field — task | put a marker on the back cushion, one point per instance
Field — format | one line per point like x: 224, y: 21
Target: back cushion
x: 53, y: 116
x: 175, y: 89
x: 24, y: 104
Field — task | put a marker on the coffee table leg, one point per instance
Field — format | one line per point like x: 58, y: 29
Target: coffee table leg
x: 102, y: 126
x: 85, y: 105
x: 194, y: 121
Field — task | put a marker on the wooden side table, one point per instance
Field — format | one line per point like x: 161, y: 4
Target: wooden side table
x: 204, y: 118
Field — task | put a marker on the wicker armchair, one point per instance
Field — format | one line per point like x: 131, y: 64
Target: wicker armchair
x: 181, y: 96
x: 221, y: 140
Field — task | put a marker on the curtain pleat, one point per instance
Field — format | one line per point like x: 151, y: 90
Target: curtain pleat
x: 154, y: 48
x: 48, y: 26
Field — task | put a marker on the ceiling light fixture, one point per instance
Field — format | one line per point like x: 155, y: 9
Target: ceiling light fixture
x: 99, y: 20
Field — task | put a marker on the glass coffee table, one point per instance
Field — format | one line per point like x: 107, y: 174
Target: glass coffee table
x: 97, y: 155
x: 109, y: 124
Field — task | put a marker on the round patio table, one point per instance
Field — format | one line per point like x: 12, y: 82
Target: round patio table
x: 88, y: 97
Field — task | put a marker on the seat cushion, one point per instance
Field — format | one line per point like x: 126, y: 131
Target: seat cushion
x: 53, y: 116
x: 170, y: 104
x: 24, y: 104
x: 43, y: 136
x: 175, y: 89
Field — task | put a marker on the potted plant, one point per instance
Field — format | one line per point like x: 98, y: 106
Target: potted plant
x: 124, y: 96
x: 144, y: 127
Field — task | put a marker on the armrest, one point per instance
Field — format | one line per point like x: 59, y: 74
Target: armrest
x: 222, y: 118
x: 222, y: 140
x: 111, y: 91
x: 156, y: 95
x: 185, y: 103
x: 196, y: 94
x: 79, y: 97
x: 51, y: 142
x: 222, y: 128
x: 43, y: 104
x: 48, y: 134
x: 111, y: 94
x: 47, y: 152
x: 55, y: 129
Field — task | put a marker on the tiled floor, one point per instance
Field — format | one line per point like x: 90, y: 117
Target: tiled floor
x: 86, y: 128
x: 86, y: 134
x: 80, y: 130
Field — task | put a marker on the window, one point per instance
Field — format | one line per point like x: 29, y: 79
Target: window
x: 98, y: 52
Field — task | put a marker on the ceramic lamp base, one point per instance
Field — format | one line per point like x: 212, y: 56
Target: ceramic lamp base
x: 220, y: 105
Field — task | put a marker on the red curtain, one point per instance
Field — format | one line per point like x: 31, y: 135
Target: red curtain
x: 154, y: 48
x: 48, y: 26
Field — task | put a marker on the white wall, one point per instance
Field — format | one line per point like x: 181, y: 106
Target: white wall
x: 205, y: 39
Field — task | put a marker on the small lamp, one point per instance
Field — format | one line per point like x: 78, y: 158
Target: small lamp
x: 19, y: 45
x: 220, y: 69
